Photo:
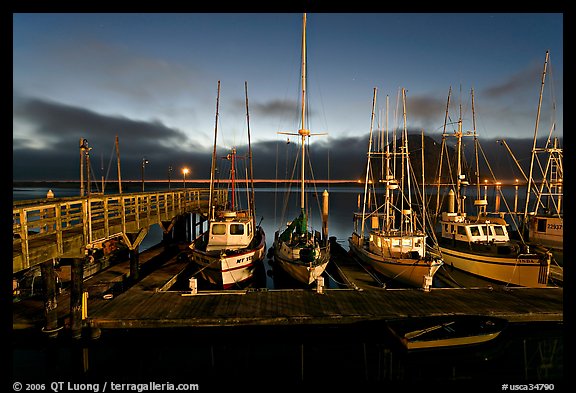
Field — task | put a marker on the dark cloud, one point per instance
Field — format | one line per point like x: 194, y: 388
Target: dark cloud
x: 276, y: 108
x: 518, y: 82
x: 62, y: 126
x: 55, y: 129
x: 425, y: 110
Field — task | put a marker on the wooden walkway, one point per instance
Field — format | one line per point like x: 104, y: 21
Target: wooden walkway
x: 155, y: 309
x: 150, y: 303
x: 52, y: 228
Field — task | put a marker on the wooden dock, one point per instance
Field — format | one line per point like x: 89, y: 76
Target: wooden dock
x: 150, y: 303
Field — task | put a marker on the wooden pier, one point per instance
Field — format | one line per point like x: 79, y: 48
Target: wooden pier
x: 151, y: 303
x: 51, y: 228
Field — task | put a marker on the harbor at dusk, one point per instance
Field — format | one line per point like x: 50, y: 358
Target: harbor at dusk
x: 264, y: 200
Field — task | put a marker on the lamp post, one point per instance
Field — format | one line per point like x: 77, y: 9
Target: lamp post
x: 184, y: 173
x: 144, y: 162
x: 169, y: 173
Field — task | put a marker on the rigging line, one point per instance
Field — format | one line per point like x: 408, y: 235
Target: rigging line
x: 276, y: 186
x: 445, y: 269
x: 373, y: 275
x: 336, y: 281
x: 289, y: 185
x: 502, y: 195
x: 112, y: 156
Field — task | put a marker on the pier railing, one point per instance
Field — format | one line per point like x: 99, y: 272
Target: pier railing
x: 64, y: 227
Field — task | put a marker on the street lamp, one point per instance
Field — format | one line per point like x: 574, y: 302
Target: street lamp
x: 144, y: 162
x: 185, y: 171
x: 169, y: 173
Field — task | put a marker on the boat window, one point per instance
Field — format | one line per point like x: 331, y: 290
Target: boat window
x: 475, y: 231
x: 541, y: 225
x: 447, y: 228
x: 236, y: 229
x: 249, y: 229
x: 407, y: 242
x: 499, y: 230
x: 219, y: 229
x: 461, y: 230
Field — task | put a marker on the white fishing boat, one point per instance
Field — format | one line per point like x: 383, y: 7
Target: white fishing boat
x: 480, y: 245
x: 395, y: 245
x: 228, y: 252
x: 298, y: 250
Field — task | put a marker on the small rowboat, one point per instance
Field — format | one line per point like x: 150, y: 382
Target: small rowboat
x: 446, y: 330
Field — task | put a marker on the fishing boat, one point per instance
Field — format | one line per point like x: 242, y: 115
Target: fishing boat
x: 228, y: 252
x: 481, y: 245
x: 544, y: 220
x: 396, y: 243
x: 298, y: 250
x: 446, y: 331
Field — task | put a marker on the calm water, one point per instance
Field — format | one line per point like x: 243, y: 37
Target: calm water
x: 267, y: 358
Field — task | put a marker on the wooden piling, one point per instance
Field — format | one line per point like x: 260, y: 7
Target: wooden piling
x: 50, y: 301
x: 134, y: 263
x: 76, y: 277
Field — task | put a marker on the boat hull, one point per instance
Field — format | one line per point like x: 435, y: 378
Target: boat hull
x: 412, y: 272
x: 229, y: 269
x: 446, y: 331
x: 523, y: 270
x: 304, y: 272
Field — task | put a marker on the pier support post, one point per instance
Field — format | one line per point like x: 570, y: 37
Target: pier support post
x: 134, y: 263
x: 50, y: 301
x: 76, y: 290
x: 194, y: 226
x: 188, y: 227
x: 167, y: 239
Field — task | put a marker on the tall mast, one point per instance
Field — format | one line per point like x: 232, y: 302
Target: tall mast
x: 251, y: 203
x: 442, y: 151
x: 476, y: 148
x: 118, y: 165
x: 213, y: 167
x: 535, y: 137
x: 303, y: 131
x: 368, y: 164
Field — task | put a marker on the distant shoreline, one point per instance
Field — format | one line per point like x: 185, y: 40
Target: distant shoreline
x: 180, y: 184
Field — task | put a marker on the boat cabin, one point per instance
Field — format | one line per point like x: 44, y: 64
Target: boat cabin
x: 230, y: 231
x: 397, y: 246
x: 456, y: 226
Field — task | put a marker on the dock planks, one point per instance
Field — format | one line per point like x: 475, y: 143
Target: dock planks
x: 149, y: 303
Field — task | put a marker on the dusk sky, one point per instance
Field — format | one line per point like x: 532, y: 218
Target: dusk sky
x: 151, y: 79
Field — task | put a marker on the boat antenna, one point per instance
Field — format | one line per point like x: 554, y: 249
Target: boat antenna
x: 213, y: 167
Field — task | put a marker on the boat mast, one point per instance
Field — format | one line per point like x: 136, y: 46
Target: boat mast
x: 442, y: 147
x: 368, y: 165
x: 535, y: 137
x: 213, y: 167
x: 232, y: 157
x: 251, y: 203
x: 406, y: 173
x: 303, y: 131
x: 459, y: 156
x: 118, y: 166
x: 475, y: 147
